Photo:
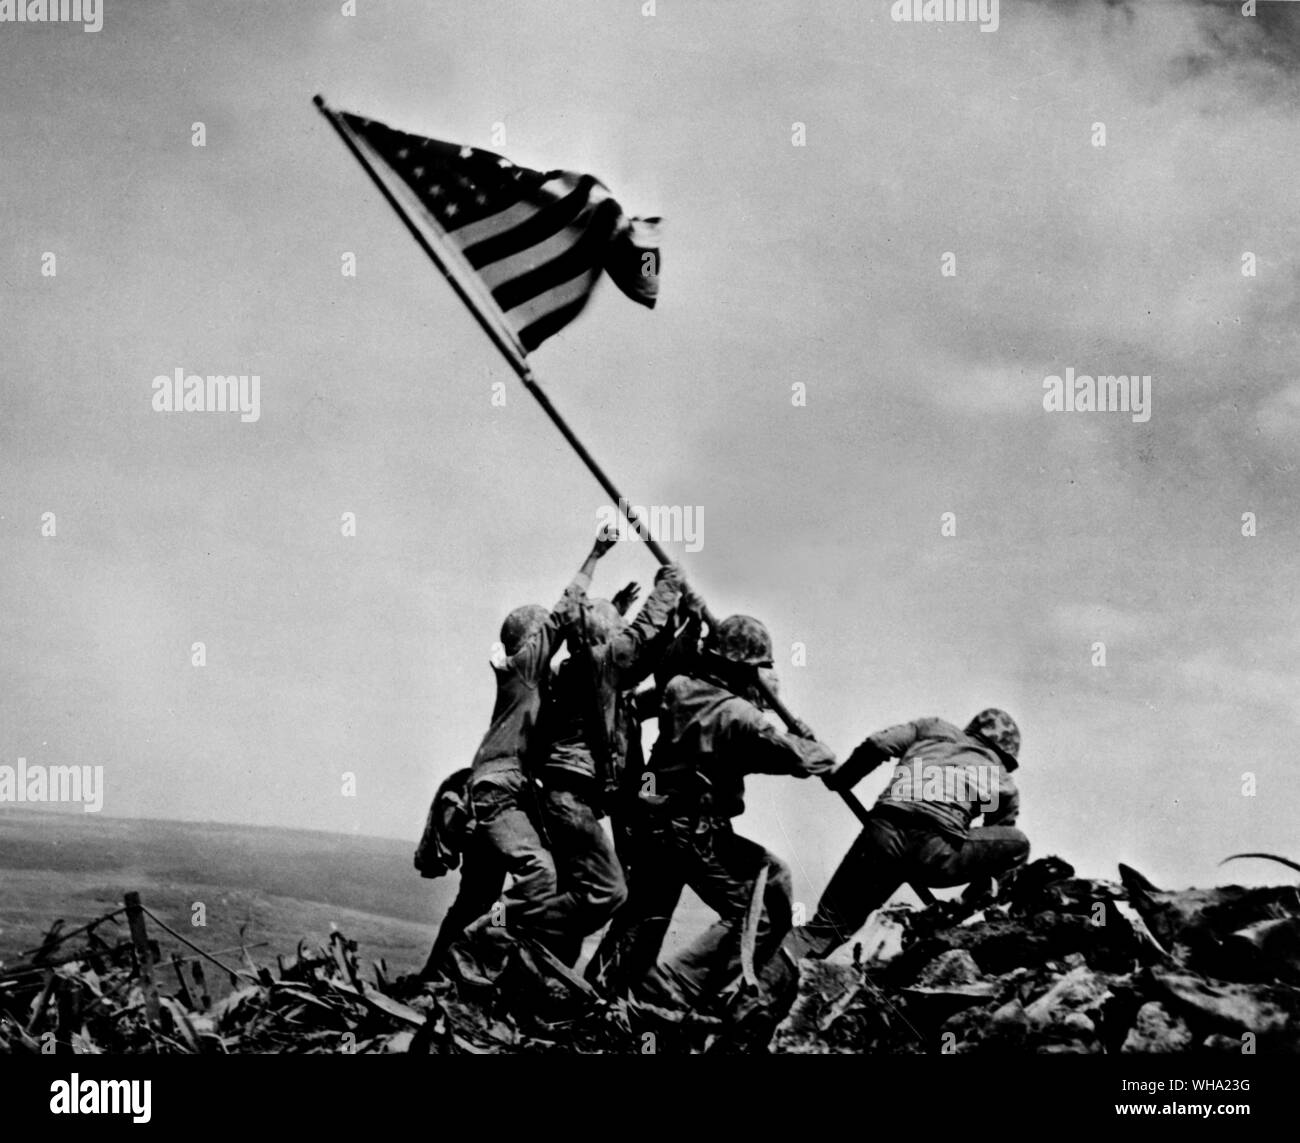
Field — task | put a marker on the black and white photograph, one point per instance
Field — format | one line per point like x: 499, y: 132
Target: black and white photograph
x: 650, y: 529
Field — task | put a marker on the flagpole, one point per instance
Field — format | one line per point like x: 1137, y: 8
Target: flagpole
x: 509, y: 351
x: 513, y: 353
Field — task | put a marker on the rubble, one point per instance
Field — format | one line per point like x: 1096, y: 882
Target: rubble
x: 97, y: 1000
x: 1067, y: 964
x: 1155, y: 1030
x: 1057, y: 964
x: 1196, y: 926
x: 100, y: 996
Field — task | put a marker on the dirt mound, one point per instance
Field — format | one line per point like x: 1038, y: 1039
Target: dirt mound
x: 1067, y: 964
x: 1056, y: 964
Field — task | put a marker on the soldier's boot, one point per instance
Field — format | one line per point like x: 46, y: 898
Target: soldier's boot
x: 754, y: 1014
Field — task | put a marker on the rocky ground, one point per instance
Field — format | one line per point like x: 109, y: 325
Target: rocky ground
x: 1057, y: 964
x: 1068, y: 965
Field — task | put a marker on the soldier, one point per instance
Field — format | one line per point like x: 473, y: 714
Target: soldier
x: 711, y: 734
x: 675, y: 652
x: 450, y: 841
x: 501, y: 793
x: 586, y: 728
x: 920, y: 828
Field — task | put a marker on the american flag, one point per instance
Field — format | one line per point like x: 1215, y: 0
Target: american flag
x: 537, y: 241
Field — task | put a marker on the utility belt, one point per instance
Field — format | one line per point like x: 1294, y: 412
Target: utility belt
x: 586, y: 788
x: 574, y: 781
x: 676, y: 792
x: 694, y: 820
x: 920, y: 820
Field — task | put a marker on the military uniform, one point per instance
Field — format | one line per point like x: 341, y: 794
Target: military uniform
x: 587, y: 726
x: 506, y: 838
x: 920, y: 828
x: 710, y: 737
x: 482, y: 878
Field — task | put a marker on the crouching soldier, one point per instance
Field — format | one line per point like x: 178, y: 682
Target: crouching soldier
x: 450, y: 841
x: 920, y: 828
x: 502, y: 798
x: 586, y: 728
x: 711, y: 734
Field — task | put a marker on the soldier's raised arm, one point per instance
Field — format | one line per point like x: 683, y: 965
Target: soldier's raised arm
x: 637, y: 648
x: 546, y: 637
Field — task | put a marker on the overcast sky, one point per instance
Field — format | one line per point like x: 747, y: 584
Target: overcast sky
x: 818, y: 264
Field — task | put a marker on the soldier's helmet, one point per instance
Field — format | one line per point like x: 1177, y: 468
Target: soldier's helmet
x: 998, y: 729
x: 743, y: 639
x: 520, y: 624
x: 603, y: 621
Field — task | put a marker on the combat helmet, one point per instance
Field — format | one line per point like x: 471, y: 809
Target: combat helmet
x: 743, y: 639
x: 520, y: 624
x: 1000, y: 731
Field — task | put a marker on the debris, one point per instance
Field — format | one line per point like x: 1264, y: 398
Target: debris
x: 97, y: 997
x: 1192, y: 924
x: 1268, y: 1012
x: 956, y: 966
x: 882, y: 939
x: 1079, y: 992
x: 1155, y: 1030
x: 1266, y: 950
x: 817, y: 1020
x: 1060, y: 963
x: 1264, y: 857
x: 1055, y: 964
x: 1009, y: 1024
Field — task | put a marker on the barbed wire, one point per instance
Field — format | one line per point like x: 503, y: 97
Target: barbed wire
x: 202, y: 952
x: 59, y: 938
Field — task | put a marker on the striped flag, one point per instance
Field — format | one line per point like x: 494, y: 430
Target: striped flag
x: 537, y: 242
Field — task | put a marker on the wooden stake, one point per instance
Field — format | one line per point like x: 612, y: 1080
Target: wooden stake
x: 178, y: 966
x: 143, y: 959
x: 196, y: 970
x: 38, y: 1009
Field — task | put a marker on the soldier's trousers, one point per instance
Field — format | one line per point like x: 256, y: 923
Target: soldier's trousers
x: 506, y: 833
x: 671, y: 853
x: 589, y: 879
x: 482, y: 878
x: 899, y: 846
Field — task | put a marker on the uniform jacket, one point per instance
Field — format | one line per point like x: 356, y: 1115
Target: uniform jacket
x: 942, y: 773
x: 590, y: 717
x: 710, y: 738
x: 520, y: 680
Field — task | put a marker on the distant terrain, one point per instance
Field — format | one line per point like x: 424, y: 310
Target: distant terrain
x: 277, y: 885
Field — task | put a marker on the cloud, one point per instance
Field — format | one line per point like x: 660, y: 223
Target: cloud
x: 1278, y: 415
x: 1212, y: 675
x: 1102, y: 621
